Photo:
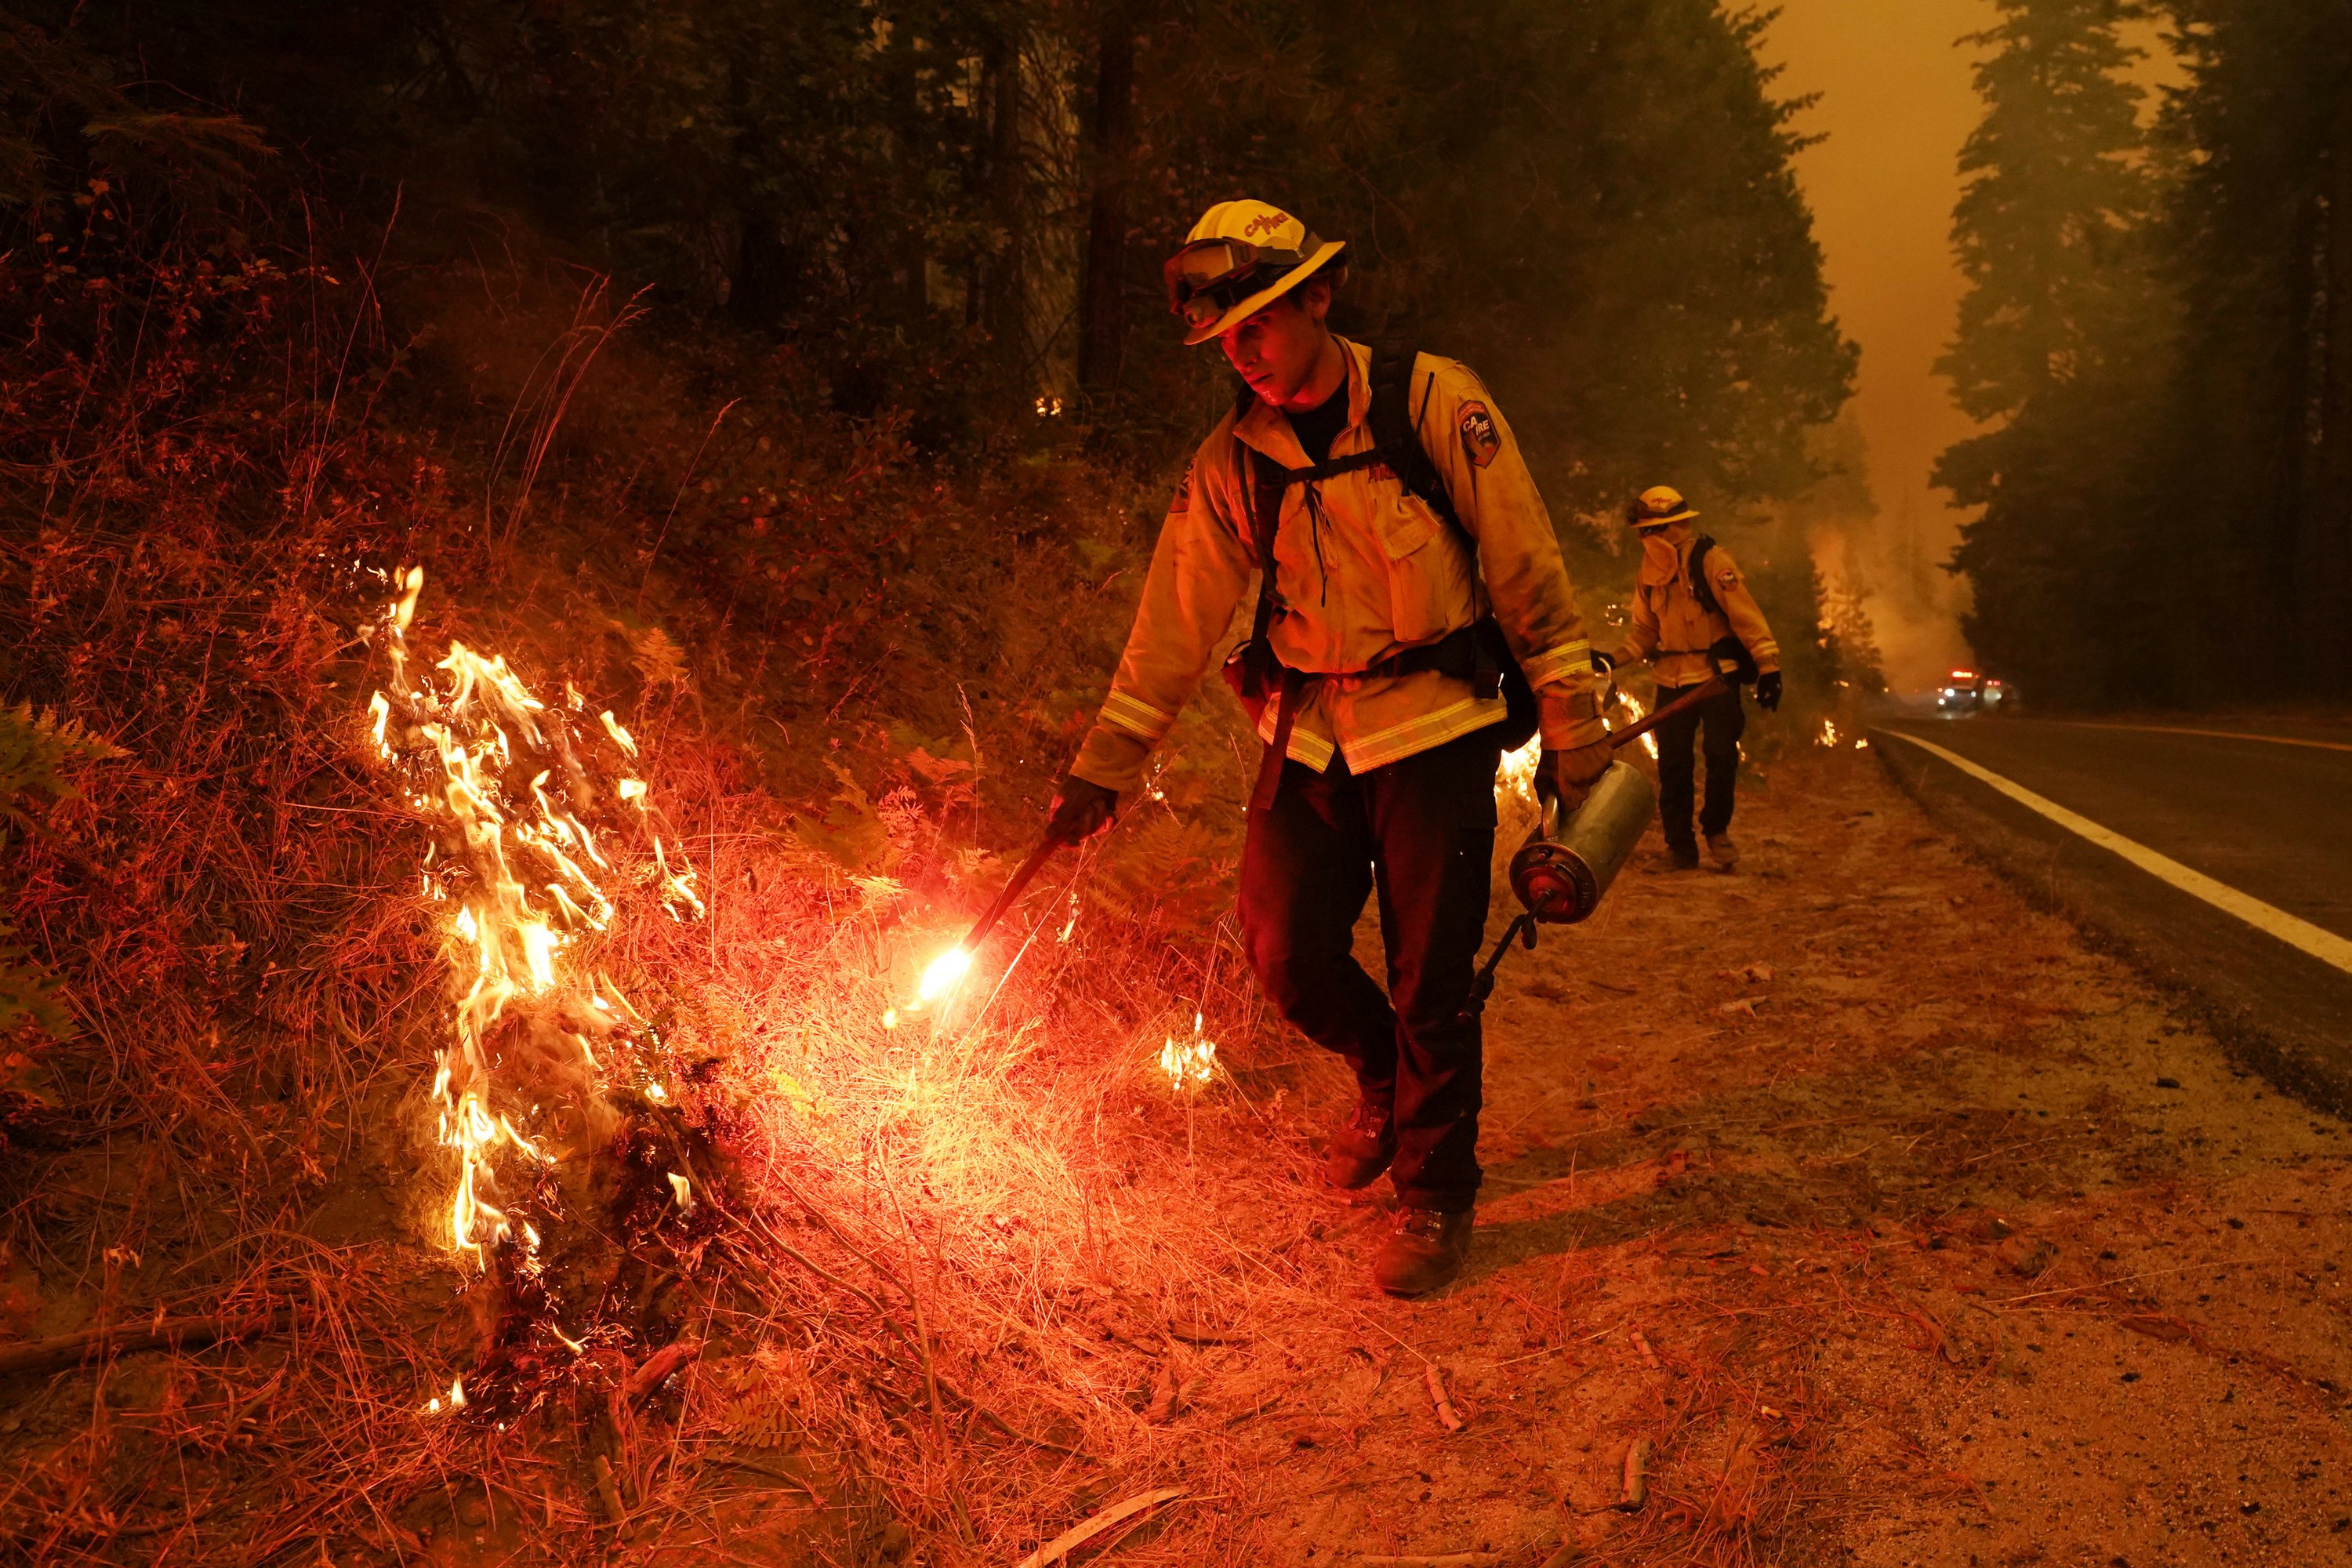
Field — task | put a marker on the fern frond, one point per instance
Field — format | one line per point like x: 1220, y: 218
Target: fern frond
x: 37, y: 746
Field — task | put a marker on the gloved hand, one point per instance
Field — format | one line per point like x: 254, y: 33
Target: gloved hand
x: 1767, y: 691
x: 1569, y: 774
x: 1081, y: 809
x: 1603, y: 664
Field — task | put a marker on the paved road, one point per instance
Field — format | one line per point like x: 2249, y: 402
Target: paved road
x: 2256, y: 926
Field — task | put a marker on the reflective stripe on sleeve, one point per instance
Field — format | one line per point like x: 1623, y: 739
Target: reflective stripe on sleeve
x: 1137, y: 718
x: 1569, y: 658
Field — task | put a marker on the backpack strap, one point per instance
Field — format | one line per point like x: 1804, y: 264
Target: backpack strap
x: 1396, y: 435
x: 1396, y: 439
x: 1700, y: 590
x: 1268, y: 479
x: 1263, y: 677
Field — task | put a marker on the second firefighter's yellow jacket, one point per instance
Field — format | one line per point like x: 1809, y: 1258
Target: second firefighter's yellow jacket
x: 1363, y: 570
x: 1672, y: 629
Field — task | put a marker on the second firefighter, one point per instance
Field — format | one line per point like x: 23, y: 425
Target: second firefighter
x: 1688, y: 595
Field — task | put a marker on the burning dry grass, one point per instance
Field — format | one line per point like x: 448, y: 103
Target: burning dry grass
x: 235, y: 1214
x: 804, y: 1285
x: 879, y: 1228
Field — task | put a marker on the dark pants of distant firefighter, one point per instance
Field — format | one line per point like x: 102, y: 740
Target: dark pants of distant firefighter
x: 1725, y: 721
x: 1420, y: 833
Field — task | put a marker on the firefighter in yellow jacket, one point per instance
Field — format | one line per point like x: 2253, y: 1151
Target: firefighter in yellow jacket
x: 1688, y: 595
x: 1397, y: 567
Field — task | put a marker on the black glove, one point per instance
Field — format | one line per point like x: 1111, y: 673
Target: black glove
x: 1767, y: 691
x: 1603, y: 664
x: 1570, y: 775
x: 1081, y: 809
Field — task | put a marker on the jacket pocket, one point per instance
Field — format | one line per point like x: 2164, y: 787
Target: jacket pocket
x: 1429, y: 572
x: 1407, y: 523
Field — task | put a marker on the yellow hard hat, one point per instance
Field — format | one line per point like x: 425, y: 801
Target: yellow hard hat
x: 1230, y: 250
x: 1658, y: 505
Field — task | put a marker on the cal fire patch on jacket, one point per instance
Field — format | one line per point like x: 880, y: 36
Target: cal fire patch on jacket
x: 1480, y: 439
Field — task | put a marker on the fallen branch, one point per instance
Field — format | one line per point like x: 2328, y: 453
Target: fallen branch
x: 181, y: 1334
x: 1200, y: 1334
x: 1637, y: 1477
x: 658, y: 1367
x: 1447, y: 1414
x: 1062, y: 1545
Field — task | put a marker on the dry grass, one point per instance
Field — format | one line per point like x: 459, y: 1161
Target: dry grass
x: 242, y: 1132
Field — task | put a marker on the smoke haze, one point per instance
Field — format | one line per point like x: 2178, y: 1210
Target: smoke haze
x: 1895, y: 102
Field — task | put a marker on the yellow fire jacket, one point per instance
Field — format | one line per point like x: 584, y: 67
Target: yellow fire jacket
x: 1671, y: 628
x: 1362, y: 570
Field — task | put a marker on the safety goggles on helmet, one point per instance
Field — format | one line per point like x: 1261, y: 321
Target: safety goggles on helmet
x: 1208, y: 277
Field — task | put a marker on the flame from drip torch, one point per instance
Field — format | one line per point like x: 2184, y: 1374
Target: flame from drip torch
x: 1516, y: 776
x: 941, y: 978
x: 1635, y: 711
x: 943, y: 974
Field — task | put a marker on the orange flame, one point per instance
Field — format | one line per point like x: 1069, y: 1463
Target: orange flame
x: 944, y: 974
x: 520, y: 869
x: 941, y: 978
x: 1635, y: 714
x: 1189, y: 1063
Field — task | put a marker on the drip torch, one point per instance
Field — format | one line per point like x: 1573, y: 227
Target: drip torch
x: 1568, y: 862
x: 948, y: 970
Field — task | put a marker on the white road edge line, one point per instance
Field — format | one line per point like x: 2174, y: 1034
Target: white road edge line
x: 2321, y: 944
x: 2208, y: 734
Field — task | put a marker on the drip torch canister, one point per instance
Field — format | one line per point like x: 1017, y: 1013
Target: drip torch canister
x: 1559, y: 874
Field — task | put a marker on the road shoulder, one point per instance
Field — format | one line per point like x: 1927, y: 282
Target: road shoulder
x: 2280, y: 1011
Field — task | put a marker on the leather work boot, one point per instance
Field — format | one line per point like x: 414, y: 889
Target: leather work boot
x: 1678, y: 858
x: 1725, y: 853
x: 1358, y: 1151
x: 1422, y: 1251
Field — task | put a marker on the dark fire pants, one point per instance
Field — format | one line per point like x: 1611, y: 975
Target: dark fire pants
x: 1726, y: 721
x: 1421, y: 832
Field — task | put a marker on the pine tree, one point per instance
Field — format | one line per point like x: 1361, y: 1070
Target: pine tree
x: 2055, y: 194
x: 2055, y: 343
x: 2259, y: 499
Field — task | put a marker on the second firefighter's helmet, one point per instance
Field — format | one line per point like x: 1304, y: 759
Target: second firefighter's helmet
x: 1656, y: 507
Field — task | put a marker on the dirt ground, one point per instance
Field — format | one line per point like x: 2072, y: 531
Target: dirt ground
x: 1902, y: 1226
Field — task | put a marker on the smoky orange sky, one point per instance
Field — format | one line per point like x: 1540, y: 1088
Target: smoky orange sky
x: 1896, y: 101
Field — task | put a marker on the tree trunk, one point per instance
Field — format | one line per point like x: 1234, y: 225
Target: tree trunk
x: 1102, y: 331
x: 903, y: 66
x: 2326, y: 586
x: 1005, y: 299
x: 760, y: 282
